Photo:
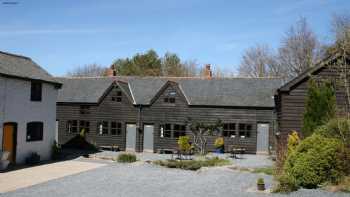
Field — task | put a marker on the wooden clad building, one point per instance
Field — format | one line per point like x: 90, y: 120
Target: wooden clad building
x: 150, y: 113
x: 291, y: 98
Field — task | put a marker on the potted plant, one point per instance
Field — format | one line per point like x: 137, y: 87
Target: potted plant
x: 219, y: 145
x: 260, y: 184
x: 33, y: 158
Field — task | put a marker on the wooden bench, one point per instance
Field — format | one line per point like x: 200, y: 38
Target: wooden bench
x: 235, y: 150
x: 111, y: 148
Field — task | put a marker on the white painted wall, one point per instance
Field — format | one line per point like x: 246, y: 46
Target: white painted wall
x: 15, y: 106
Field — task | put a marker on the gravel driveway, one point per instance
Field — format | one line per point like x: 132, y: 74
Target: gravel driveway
x: 142, y: 179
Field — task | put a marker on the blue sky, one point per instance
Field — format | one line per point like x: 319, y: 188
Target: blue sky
x: 63, y: 34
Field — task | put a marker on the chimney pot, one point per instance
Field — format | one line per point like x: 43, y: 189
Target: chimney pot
x: 207, y: 72
x: 111, y: 72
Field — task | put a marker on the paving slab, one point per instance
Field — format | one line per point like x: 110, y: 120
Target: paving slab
x: 13, y: 180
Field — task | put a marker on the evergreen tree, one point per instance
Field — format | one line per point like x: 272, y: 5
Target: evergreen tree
x: 320, y: 106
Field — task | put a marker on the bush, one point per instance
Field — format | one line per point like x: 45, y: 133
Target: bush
x: 56, y: 151
x: 286, y: 184
x: 320, y: 106
x: 260, y: 181
x: 126, y: 158
x: 219, y: 142
x: 192, y: 164
x: 293, y: 141
x: 184, y: 143
x: 336, y: 128
x: 315, y: 161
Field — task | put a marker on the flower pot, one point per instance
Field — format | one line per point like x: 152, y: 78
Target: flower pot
x: 261, y: 187
x: 219, y: 150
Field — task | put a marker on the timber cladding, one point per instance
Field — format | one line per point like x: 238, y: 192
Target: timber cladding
x: 168, y: 110
x: 290, y: 103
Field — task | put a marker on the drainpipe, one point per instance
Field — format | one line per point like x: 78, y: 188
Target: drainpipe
x: 139, y: 126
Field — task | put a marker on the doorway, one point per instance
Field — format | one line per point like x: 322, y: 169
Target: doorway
x: 148, y: 136
x: 9, y: 140
x: 262, y: 146
x: 130, y: 137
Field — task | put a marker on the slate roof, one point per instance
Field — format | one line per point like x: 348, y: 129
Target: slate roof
x: 18, y: 66
x: 238, y: 92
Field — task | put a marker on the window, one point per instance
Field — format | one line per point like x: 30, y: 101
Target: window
x: 35, y: 91
x: 84, y: 109
x: 116, y: 128
x: 84, y: 125
x: 245, y: 130
x: 229, y: 130
x: 170, y: 97
x: 117, y: 97
x: 167, y: 130
x: 72, y: 126
x: 102, y: 128
x: 179, y: 130
x: 35, y: 131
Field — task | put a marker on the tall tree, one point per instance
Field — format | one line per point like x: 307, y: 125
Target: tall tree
x: 340, y: 51
x: 259, y: 61
x: 320, y: 106
x: 150, y: 64
x: 171, y: 65
x: 88, y: 70
x: 300, y: 49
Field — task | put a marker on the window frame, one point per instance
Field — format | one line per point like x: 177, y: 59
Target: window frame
x: 30, y: 125
x: 36, y: 91
x: 105, y: 127
x: 229, y: 131
x: 117, y: 128
x: 244, y: 130
x: 84, y: 124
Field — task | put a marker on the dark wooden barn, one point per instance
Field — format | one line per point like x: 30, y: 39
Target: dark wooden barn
x: 150, y: 113
x: 291, y: 98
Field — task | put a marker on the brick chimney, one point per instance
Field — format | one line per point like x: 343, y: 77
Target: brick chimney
x: 207, y: 71
x: 111, y: 72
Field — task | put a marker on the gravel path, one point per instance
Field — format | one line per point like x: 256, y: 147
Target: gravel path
x: 141, y: 179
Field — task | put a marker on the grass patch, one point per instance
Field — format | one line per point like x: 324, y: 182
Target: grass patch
x: 126, y: 158
x: 192, y: 164
x: 265, y: 170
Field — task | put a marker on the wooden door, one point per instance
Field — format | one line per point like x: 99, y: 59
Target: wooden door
x: 9, y: 141
x: 148, y: 138
x: 262, y: 139
x: 130, y: 137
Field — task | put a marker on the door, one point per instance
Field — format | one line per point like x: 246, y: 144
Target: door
x: 130, y: 137
x: 148, y: 131
x: 9, y: 140
x: 262, y: 146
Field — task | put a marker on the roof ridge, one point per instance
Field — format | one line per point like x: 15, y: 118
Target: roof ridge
x: 15, y: 55
x: 161, y: 77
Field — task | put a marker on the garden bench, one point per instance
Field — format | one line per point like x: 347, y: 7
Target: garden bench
x: 111, y: 148
x: 234, y: 151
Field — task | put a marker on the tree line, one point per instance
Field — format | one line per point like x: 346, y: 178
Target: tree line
x: 299, y: 50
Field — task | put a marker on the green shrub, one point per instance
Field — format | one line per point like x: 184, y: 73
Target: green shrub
x: 336, y: 128
x: 260, y: 181
x: 315, y: 161
x: 126, y: 158
x: 192, y: 164
x: 320, y: 106
x: 184, y: 143
x: 286, y: 184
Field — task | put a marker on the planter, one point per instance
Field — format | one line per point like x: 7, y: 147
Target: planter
x: 33, y: 159
x: 261, y: 187
x: 220, y: 150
